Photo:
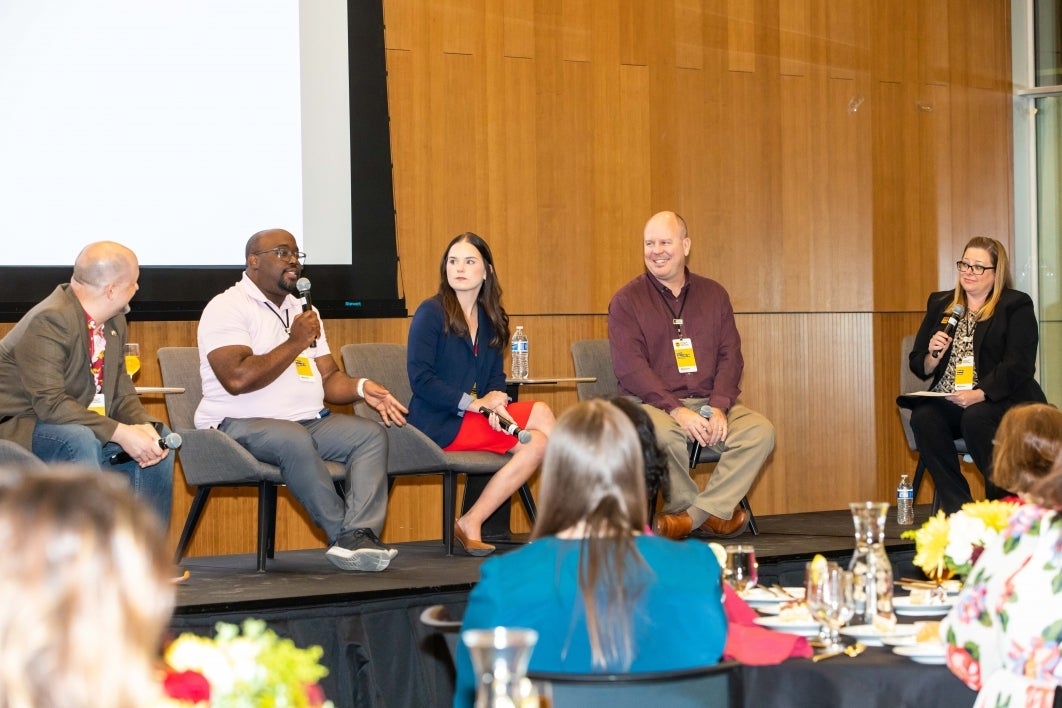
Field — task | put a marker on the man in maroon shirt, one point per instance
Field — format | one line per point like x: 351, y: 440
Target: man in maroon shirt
x: 675, y: 346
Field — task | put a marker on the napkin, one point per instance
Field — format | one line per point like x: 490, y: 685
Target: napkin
x: 752, y: 644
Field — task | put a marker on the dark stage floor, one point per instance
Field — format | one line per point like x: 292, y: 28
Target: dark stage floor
x: 377, y: 650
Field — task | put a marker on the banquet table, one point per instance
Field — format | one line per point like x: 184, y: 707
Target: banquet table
x: 875, y: 679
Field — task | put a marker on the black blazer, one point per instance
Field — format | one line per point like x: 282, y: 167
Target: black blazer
x: 1004, y: 348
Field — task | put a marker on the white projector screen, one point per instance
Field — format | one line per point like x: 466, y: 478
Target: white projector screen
x: 181, y: 128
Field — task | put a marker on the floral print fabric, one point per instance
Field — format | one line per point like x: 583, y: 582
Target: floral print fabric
x: 1003, y: 634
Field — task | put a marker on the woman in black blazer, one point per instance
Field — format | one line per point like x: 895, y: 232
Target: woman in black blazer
x: 985, y: 366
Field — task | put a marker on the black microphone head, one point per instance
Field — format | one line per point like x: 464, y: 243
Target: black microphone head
x: 173, y: 441
x: 302, y: 285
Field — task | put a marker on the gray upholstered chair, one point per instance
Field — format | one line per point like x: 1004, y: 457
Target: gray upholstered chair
x: 593, y: 357
x: 210, y: 458
x: 910, y: 383
x: 411, y: 452
x: 717, y: 685
x: 13, y: 454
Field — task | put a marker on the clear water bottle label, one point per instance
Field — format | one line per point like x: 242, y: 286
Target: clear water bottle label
x: 519, y: 347
x: 905, y: 494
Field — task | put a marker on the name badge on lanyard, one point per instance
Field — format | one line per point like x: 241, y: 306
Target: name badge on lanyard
x: 684, y: 359
x: 98, y: 404
x: 303, y: 368
x: 964, y: 374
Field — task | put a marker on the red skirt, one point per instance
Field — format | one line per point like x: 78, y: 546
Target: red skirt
x: 477, y: 435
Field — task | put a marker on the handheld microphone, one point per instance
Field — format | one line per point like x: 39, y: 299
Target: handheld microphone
x: 705, y: 411
x: 510, y: 427
x: 303, y: 286
x: 948, y: 326
x: 170, y: 442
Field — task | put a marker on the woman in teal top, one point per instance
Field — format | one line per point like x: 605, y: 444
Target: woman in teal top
x: 602, y: 596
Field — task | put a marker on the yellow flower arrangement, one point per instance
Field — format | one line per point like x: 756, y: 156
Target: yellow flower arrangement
x: 948, y: 546
x: 252, y: 669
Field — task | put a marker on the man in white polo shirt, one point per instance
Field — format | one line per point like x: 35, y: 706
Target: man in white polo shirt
x: 267, y: 372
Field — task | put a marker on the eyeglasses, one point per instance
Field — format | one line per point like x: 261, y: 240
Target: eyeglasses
x: 283, y: 253
x: 974, y: 268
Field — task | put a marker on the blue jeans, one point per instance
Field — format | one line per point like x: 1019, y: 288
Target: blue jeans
x: 77, y: 444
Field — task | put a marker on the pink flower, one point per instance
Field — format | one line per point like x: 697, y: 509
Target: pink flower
x: 965, y: 667
x: 188, y: 686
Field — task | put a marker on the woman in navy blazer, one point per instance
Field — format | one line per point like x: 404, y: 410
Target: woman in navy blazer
x: 454, y: 360
x: 996, y: 332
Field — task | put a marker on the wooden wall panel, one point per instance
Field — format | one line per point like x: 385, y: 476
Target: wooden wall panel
x: 830, y: 156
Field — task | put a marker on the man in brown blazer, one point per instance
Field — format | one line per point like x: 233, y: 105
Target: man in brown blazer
x: 64, y: 391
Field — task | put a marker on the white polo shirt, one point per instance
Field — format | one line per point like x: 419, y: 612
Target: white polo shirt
x: 242, y: 315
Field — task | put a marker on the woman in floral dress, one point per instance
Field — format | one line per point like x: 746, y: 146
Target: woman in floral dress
x: 1004, y: 632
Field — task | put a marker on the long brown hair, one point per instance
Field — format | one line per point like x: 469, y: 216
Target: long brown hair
x: 1028, y: 447
x: 1001, y: 276
x: 593, y: 474
x: 489, y: 295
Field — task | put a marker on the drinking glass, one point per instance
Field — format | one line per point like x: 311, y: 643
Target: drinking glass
x: 131, y: 352
x: 830, y: 601
x: 742, y: 570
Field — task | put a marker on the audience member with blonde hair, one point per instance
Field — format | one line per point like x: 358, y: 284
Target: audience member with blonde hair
x: 1004, y: 632
x: 602, y: 596
x: 85, y: 591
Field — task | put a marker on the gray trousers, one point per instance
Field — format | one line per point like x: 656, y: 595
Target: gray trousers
x: 748, y: 443
x: 299, y: 449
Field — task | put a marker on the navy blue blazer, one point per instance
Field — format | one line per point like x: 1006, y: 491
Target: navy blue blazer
x: 1004, y: 348
x: 442, y: 368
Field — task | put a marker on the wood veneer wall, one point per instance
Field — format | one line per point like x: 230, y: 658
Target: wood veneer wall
x: 830, y: 156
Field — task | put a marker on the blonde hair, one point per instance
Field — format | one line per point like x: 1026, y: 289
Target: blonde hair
x: 594, y: 474
x: 1028, y: 453
x: 1001, y: 276
x: 85, y: 591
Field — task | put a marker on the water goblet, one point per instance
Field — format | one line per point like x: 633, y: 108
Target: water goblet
x: 131, y: 353
x: 829, y: 594
x: 742, y: 570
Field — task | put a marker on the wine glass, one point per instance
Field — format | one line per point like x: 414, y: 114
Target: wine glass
x: 830, y: 600
x: 131, y: 352
x: 742, y: 570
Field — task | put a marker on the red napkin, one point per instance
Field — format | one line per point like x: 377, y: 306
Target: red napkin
x: 752, y: 644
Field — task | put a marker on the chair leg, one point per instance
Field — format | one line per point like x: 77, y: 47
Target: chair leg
x: 752, y: 517
x: 920, y: 470
x: 529, y: 502
x: 192, y: 521
x: 695, y: 454
x: 267, y: 522
x: 449, y: 510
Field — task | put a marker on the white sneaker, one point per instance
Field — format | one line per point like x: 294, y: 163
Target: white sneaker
x: 362, y: 550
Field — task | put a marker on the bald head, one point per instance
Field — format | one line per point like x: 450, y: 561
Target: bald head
x: 665, y: 248
x: 104, y: 263
x: 270, y: 237
x: 668, y: 221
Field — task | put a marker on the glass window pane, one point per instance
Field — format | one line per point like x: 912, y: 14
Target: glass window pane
x: 1049, y: 241
x: 1048, y: 24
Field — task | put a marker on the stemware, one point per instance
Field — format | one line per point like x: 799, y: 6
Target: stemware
x: 830, y: 600
x: 131, y: 352
x: 742, y: 570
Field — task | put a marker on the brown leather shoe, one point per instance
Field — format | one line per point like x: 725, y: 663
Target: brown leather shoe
x: 715, y: 527
x: 674, y: 526
x: 469, y: 546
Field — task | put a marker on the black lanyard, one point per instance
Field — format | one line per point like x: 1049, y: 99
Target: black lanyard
x: 286, y: 321
x: 676, y: 319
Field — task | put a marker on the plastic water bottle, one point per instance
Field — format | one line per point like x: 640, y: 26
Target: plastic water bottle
x: 904, y: 502
x: 519, y: 350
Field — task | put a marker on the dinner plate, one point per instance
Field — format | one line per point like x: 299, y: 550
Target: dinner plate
x: 872, y: 636
x: 765, y: 596
x: 802, y: 628
x: 904, y: 606
x: 925, y: 653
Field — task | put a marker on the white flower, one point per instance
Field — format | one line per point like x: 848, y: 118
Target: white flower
x: 967, y: 532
